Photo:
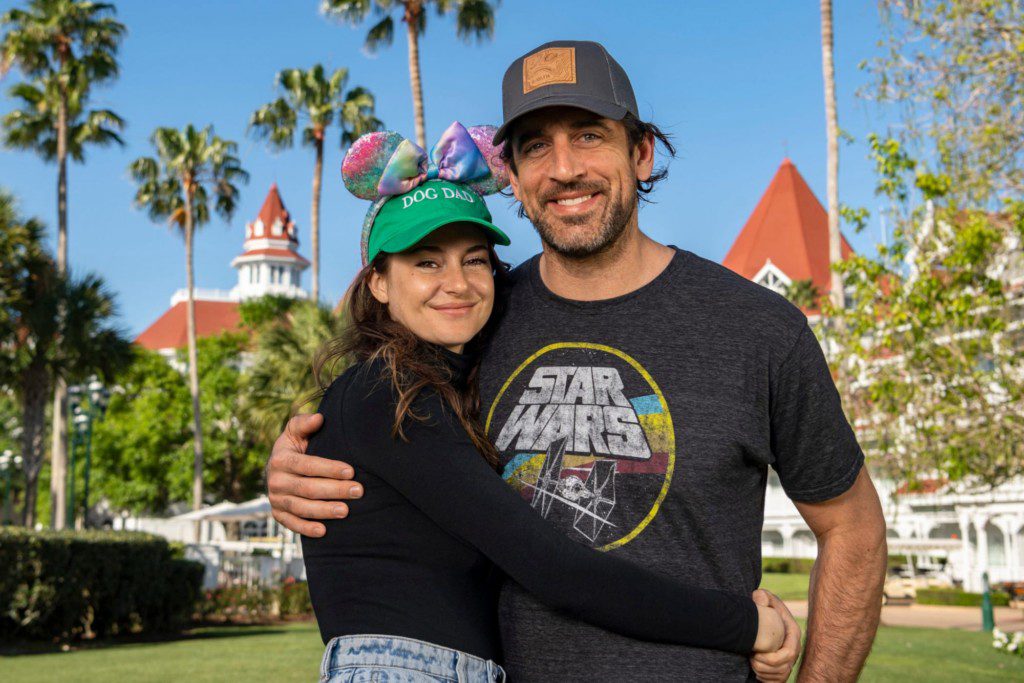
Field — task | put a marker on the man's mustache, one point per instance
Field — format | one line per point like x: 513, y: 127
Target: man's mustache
x: 582, y: 186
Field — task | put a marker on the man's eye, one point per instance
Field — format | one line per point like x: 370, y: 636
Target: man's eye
x: 533, y: 147
x: 590, y: 137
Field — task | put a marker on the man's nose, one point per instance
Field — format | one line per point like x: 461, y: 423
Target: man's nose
x: 566, y: 165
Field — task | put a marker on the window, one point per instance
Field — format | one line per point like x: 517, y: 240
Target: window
x: 772, y: 281
x: 771, y: 277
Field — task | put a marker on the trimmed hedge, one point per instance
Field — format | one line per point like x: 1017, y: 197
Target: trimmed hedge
x: 786, y: 565
x: 295, y: 600
x: 802, y: 565
x: 958, y: 598
x: 64, y: 585
x: 250, y: 604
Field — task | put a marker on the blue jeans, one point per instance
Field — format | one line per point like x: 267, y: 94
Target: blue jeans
x: 390, y: 659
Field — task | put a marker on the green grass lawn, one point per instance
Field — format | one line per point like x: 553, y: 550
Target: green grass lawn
x: 292, y: 653
x: 787, y: 586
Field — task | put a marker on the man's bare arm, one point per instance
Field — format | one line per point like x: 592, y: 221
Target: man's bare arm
x: 846, y: 582
x: 305, y: 487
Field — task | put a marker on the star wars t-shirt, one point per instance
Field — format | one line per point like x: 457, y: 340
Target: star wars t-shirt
x: 644, y: 425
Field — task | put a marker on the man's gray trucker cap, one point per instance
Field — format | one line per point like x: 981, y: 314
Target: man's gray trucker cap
x: 572, y: 73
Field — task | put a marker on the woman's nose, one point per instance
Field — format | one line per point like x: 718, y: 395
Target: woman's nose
x: 456, y: 281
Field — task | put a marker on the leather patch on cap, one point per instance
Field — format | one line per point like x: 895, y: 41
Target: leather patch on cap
x: 548, y: 67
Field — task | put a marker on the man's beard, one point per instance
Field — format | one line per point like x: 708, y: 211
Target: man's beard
x: 609, y: 226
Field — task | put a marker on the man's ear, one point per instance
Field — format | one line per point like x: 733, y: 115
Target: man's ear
x: 378, y: 285
x: 513, y: 180
x: 644, y: 155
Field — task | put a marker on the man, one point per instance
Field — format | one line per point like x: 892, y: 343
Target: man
x: 638, y: 394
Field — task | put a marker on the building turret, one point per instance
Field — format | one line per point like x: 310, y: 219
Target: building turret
x: 270, y: 262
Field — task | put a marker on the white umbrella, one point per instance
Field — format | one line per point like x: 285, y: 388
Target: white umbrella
x: 258, y: 508
x: 205, y: 512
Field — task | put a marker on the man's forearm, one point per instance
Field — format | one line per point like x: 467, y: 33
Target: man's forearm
x: 845, y: 603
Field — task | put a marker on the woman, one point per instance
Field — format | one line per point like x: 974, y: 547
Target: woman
x: 405, y: 588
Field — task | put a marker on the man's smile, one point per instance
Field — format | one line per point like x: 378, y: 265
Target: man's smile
x: 573, y: 203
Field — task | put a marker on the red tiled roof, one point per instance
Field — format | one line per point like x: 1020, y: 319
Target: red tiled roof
x: 283, y: 253
x: 789, y: 226
x: 170, y: 329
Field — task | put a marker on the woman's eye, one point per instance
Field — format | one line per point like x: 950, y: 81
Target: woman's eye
x: 478, y: 261
x: 427, y: 264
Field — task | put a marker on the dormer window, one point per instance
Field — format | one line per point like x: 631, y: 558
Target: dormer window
x: 771, y: 277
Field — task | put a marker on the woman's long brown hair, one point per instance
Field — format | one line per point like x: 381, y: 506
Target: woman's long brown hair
x: 412, y: 364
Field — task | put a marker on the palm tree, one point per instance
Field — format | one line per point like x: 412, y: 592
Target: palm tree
x: 66, y: 46
x: 60, y: 330
x: 473, y: 19
x: 191, y: 168
x: 318, y: 99
x: 33, y: 126
x: 279, y: 382
x: 835, y: 254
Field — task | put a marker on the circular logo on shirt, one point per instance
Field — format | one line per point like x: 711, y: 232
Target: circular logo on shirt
x: 587, y: 438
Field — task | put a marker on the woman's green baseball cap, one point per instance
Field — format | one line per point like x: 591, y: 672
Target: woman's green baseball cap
x: 397, y: 223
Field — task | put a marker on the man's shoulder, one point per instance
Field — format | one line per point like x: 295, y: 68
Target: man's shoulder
x: 713, y: 293
x: 518, y: 274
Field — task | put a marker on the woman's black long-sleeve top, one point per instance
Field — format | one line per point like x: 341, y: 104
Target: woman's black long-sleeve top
x: 414, y: 556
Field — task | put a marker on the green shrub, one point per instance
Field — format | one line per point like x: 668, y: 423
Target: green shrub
x: 239, y: 603
x: 957, y: 597
x: 802, y: 565
x: 295, y: 600
x: 61, y: 585
x: 255, y: 603
x: 786, y: 565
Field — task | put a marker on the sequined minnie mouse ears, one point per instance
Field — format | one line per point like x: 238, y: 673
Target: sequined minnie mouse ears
x: 386, y: 164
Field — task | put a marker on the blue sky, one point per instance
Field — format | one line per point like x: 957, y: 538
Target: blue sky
x: 738, y: 84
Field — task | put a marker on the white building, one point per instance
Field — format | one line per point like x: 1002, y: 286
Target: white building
x: 269, y: 264
x: 968, y: 533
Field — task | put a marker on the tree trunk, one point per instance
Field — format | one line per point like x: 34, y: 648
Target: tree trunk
x: 314, y: 242
x: 59, y: 443
x: 835, y: 254
x: 193, y: 369
x: 35, y: 390
x: 412, y: 12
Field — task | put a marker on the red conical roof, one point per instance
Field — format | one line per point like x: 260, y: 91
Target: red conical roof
x: 271, y: 212
x: 789, y: 226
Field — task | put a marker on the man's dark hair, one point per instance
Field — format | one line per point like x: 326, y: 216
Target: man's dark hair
x: 636, y: 132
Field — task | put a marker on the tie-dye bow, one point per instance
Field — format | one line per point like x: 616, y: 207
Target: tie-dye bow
x: 386, y: 164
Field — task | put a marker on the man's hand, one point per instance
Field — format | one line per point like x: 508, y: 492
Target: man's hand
x: 776, y: 666
x: 306, y: 487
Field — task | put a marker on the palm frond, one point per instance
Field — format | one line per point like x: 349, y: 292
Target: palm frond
x: 275, y: 123
x: 380, y: 35
x: 351, y: 11
x: 474, y: 20
x: 357, y: 116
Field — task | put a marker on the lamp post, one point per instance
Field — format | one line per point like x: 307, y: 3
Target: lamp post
x: 74, y: 392
x: 8, y: 461
x: 87, y: 402
x: 98, y: 398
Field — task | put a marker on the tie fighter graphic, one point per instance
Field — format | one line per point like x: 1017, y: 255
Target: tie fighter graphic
x: 592, y: 501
